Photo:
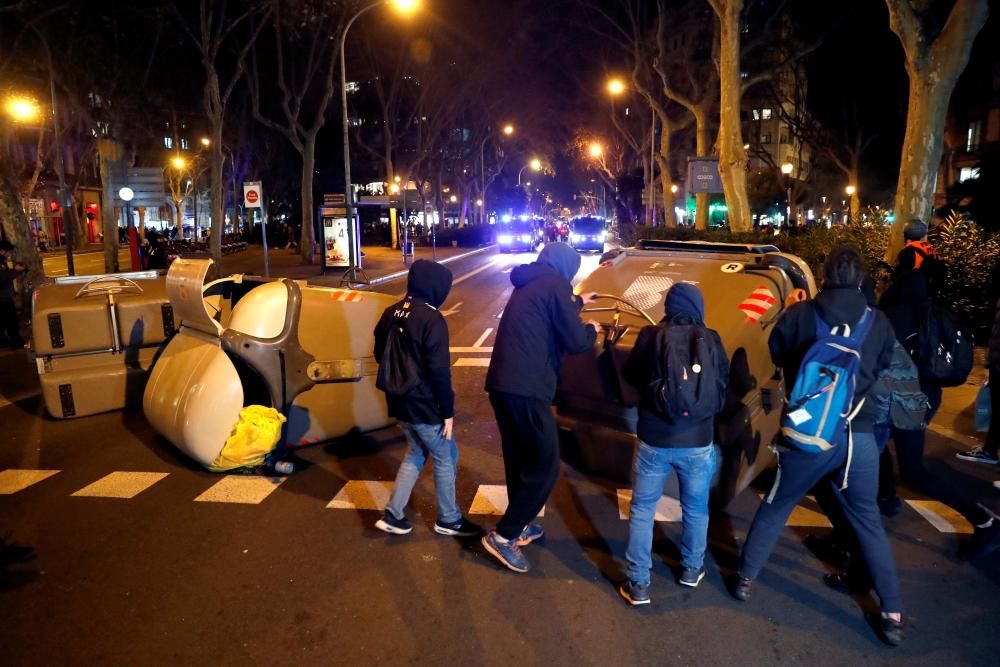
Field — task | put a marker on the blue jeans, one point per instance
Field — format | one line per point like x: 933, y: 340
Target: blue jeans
x: 695, y: 467
x: 425, y: 441
x: 797, y: 472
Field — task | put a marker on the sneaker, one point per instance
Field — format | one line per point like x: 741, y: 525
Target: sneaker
x: 889, y: 505
x: 890, y: 631
x: 978, y: 455
x: 691, y: 576
x: 461, y: 528
x: 508, y: 553
x: 742, y: 588
x: 531, y: 532
x: 634, y: 592
x: 390, y: 524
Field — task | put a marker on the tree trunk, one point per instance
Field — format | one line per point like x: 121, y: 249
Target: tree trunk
x: 218, y: 222
x: 852, y: 178
x: 109, y: 151
x: 732, y: 155
x: 307, y: 236
x: 666, y: 179
x: 15, y: 224
x: 703, y: 148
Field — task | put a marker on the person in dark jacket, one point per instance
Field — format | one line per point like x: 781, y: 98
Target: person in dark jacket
x: 540, y: 324
x: 919, y: 255
x: 852, y: 464
x: 666, y: 445
x: 988, y: 453
x: 427, y: 412
x: 901, y: 304
x: 10, y: 329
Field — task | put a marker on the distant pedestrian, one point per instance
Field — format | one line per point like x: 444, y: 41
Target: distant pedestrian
x: 10, y: 329
x: 411, y: 346
x: 988, y: 453
x: 919, y: 255
x: 851, y: 459
x: 540, y: 324
x: 681, y: 370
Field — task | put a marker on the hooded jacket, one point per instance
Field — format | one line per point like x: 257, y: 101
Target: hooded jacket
x: 540, y: 324
x: 433, y: 400
x: 684, y: 304
x: 795, y: 332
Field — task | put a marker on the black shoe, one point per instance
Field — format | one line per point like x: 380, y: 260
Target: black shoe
x: 890, y: 631
x: 691, y: 576
x: 829, y: 551
x: 634, y: 592
x: 890, y: 505
x: 983, y: 542
x: 846, y: 583
x: 461, y: 528
x: 742, y: 588
x: 390, y: 524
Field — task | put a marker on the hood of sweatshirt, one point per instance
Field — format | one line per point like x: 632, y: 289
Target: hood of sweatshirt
x: 841, y: 305
x: 524, y: 274
x: 429, y: 281
x: 685, y: 300
x: 562, y: 258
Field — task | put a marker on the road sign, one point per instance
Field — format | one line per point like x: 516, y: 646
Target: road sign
x: 334, y: 200
x: 703, y: 175
x: 252, y: 194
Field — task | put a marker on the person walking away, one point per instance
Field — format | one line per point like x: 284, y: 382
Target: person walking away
x: 919, y: 255
x: 10, y: 328
x: 988, y: 453
x: 540, y: 324
x: 411, y: 347
x: 839, y: 317
x: 681, y: 371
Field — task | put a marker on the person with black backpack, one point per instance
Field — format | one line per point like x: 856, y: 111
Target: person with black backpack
x: 681, y: 370
x: 942, y: 348
x: 411, y: 347
x: 919, y: 255
x: 830, y: 351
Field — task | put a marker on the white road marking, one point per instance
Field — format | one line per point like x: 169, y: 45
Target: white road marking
x: 491, y: 499
x: 121, y: 485
x: 12, y: 481
x: 474, y: 272
x: 482, y: 339
x: 469, y: 361
x: 362, y: 495
x: 942, y: 517
x: 242, y: 489
x: 452, y: 310
x: 470, y: 350
x: 667, y: 508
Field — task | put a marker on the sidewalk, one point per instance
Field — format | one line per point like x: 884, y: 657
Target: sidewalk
x: 956, y: 419
x: 380, y: 263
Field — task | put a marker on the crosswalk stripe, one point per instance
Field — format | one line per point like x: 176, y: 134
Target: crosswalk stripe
x: 362, y: 495
x: 942, y: 517
x: 242, y: 489
x: 471, y: 350
x: 803, y: 517
x: 667, y: 508
x: 12, y: 481
x: 121, y: 484
x: 491, y: 499
x: 469, y: 361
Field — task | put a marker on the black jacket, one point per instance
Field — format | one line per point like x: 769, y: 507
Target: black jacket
x: 7, y: 276
x: 433, y: 400
x: 540, y: 324
x: 795, y: 333
x: 654, y: 428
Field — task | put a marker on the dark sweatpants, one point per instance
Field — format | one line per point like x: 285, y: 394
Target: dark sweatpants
x: 799, y: 471
x: 910, y: 455
x: 530, y: 440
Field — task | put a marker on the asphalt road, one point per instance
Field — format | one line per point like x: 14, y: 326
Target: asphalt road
x: 163, y: 579
x: 84, y: 263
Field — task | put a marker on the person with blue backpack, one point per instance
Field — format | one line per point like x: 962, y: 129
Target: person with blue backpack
x: 681, y: 370
x: 830, y: 351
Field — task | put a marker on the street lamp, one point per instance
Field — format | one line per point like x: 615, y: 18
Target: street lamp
x: 178, y: 162
x: 404, y: 7
x: 508, y: 130
x: 394, y: 188
x: 22, y: 109
x: 596, y: 150
x: 786, y: 169
x: 453, y: 199
x: 206, y: 142
x: 673, y: 188
x: 615, y: 87
x: 850, y: 190
x: 534, y: 165
x: 479, y: 203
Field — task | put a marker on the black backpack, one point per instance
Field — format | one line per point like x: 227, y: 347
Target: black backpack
x: 687, y: 385
x: 398, y: 369
x: 900, y: 400
x: 942, y: 347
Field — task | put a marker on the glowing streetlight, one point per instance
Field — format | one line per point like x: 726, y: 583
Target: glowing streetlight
x: 405, y: 6
x: 615, y: 87
x: 126, y: 194
x: 786, y: 168
x: 394, y: 188
x: 396, y: 178
x: 453, y: 199
x: 596, y: 150
x: 22, y: 109
x: 178, y: 162
x: 850, y: 190
x: 205, y: 141
x: 479, y: 203
x: 535, y: 164
x: 673, y: 188
x: 508, y: 130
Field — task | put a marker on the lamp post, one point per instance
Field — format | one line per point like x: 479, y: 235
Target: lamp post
x: 786, y: 169
x: 850, y: 190
x: 126, y: 194
x: 507, y: 130
x: 403, y: 7
x: 534, y: 165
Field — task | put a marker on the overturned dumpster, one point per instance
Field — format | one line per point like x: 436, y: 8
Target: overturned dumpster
x: 247, y: 341
x: 745, y: 288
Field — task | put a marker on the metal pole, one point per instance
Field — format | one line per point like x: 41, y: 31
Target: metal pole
x: 652, y: 166
x: 263, y: 229
x: 406, y: 226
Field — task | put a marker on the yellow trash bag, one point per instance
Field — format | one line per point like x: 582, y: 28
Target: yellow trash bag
x: 254, y: 436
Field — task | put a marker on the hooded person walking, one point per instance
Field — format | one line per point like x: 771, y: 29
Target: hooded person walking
x: 540, y: 324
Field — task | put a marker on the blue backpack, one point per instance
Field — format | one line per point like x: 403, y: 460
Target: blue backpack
x: 821, y: 404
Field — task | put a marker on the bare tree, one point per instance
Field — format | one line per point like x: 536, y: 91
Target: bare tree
x: 935, y: 57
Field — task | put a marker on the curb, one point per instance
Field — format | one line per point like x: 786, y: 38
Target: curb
x: 399, y: 274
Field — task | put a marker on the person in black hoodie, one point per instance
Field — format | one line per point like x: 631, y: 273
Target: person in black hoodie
x: 666, y: 445
x: 852, y: 465
x: 540, y: 324
x: 901, y: 303
x: 427, y: 412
